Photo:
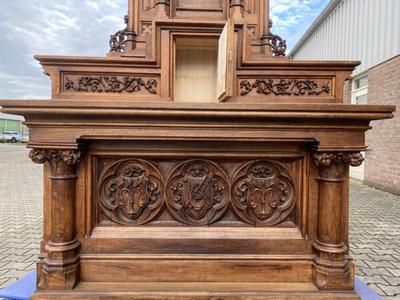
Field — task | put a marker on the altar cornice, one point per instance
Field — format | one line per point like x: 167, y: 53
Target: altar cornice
x: 325, y: 127
x: 118, y: 61
x: 201, y: 110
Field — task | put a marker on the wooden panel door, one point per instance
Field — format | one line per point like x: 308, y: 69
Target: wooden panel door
x: 225, y: 71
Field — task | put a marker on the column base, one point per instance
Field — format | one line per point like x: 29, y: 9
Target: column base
x: 60, y: 269
x: 63, y: 278
x: 332, y: 268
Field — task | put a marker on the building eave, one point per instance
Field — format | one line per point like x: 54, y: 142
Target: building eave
x: 314, y: 26
x: 10, y: 117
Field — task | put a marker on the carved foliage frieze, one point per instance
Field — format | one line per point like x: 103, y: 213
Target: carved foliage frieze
x: 131, y: 192
x: 109, y: 84
x: 197, y: 192
x: 285, y: 87
x: 263, y: 192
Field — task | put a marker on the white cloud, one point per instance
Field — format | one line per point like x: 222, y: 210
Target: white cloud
x: 82, y: 27
x: 62, y: 27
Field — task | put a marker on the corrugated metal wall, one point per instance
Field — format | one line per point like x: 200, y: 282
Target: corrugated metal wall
x: 365, y: 30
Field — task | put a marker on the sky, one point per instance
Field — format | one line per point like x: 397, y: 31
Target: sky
x: 83, y: 27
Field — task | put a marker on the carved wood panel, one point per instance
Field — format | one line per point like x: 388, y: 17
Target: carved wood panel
x: 130, y: 192
x: 263, y: 192
x: 113, y: 84
x: 196, y: 192
x: 285, y: 87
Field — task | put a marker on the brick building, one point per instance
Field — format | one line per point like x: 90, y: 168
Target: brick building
x: 365, y: 30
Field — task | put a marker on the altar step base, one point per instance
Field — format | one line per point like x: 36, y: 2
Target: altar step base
x: 195, y: 290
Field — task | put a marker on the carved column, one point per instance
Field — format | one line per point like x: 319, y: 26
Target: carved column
x: 236, y: 8
x: 60, y: 268
x: 163, y: 8
x: 332, y: 270
x: 131, y: 34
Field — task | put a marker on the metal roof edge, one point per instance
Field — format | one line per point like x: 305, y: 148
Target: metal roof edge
x: 318, y: 21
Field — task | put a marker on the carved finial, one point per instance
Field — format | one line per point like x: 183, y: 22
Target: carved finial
x: 277, y: 44
x: 119, y: 39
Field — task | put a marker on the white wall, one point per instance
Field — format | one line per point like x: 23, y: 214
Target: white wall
x: 365, y: 30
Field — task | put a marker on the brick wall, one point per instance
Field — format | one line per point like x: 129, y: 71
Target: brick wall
x: 382, y: 168
x: 347, y: 92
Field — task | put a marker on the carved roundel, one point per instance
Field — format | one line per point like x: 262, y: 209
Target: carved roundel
x: 263, y: 193
x: 131, y: 192
x: 197, y: 192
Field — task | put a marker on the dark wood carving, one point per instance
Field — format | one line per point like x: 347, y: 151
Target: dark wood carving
x: 131, y: 192
x: 62, y: 162
x: 284, y: 87
x: 278, y: 45
x: 327, y: 159
x: 224, y: 200
x: 197, y: 192
x: 329, y: 246
x: 118, y: 40
x: 60, y: 263
x: 263, y: 193
x: 110, y: 84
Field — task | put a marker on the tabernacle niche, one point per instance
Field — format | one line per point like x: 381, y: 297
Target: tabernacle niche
x: 196, y: 70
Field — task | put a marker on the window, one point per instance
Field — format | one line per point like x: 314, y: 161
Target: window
x: 360, y: 90
x: 363, y: 99
x: 359, y: 96
x: 362, y: 82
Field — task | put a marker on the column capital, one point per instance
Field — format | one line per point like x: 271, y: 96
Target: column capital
x: 62, y: 161
x: 326, y: 159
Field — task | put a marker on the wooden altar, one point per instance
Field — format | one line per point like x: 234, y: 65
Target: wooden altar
x: 196, y: 161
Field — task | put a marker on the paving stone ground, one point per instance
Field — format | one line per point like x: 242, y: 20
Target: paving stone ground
x: 374, y: 225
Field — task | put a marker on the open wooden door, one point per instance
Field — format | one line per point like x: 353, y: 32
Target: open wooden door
x: 225, y: 71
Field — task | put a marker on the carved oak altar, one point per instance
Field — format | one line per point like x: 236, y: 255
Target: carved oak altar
x: 242, y: 198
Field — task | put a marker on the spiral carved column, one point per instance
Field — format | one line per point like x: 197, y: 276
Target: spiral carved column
x: 60, y: 267
x: 332, y: 269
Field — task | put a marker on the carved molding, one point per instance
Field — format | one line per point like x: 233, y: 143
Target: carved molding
x: 164, y: 2
x: 110, y: 84
x: 326, y: 159
x: 197, y: 192
x: 62, y: 162
x: 263, y: 193
x: 130, y: 192
x: 284, y: 87
x: 233, y: 3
